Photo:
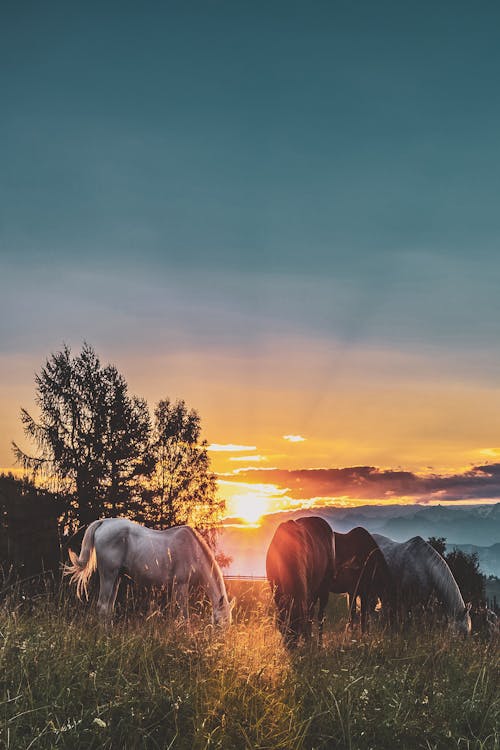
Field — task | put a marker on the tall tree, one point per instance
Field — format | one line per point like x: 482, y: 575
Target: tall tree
x: 91, y: 434
x: 182, y: 486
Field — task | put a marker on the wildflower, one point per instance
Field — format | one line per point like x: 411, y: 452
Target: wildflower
x: 66, y: 727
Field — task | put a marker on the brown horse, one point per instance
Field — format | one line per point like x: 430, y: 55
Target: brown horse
x: 300, y: 567
x: 360, y: 570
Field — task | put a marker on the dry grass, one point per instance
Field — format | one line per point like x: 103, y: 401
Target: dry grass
x: 155, y: 683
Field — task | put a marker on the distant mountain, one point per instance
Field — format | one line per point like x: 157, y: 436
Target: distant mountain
x: 463, y: 524
x: 468, y: 527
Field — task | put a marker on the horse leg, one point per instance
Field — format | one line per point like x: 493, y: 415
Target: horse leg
x: 296, y: 624
x: 307, y: 621
x: 323, y: 601
x: 182, y: 597
x: 365, y: 604
x: 352, y: 603
x: 109, y: 580
x: 391, y: 604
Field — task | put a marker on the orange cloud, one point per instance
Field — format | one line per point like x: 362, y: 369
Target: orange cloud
x: 255, y: 458
x: 230, y: 447
x: 369, y: 483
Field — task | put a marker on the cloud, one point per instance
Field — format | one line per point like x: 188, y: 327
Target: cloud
x: 255, y: 458
x: 230, y: 447
x: 294, y: 438
x: 481, y: 482
x: 490, y: 452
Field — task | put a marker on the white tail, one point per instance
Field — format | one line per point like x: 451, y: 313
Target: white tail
x: 83, y: 566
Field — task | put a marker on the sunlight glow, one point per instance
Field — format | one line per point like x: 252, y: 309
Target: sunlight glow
x: 294, y: 438
x: 248, y: 501
x: 490, y: 452
x: 249, y: 506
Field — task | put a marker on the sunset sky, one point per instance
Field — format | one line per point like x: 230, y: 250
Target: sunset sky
x: 284, y: 213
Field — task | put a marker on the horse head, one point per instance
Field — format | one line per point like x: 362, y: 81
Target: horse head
x: 462, y: 622
x: 222, y: 612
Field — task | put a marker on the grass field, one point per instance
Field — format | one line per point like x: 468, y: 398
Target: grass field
x: 155, y: 683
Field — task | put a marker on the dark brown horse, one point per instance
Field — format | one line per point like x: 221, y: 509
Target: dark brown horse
x: 300, y: 567
x: 360, y: 570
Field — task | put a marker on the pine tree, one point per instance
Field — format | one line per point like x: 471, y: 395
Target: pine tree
x: 182, y: 487
x: 91, y: 436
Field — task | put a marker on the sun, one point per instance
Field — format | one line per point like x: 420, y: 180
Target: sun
x: 250, y: 507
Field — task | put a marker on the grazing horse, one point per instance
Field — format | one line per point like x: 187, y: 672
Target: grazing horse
x: 421, y: 574
x: 299, y: 566
x: 360, y: 570
x: 175, y: 559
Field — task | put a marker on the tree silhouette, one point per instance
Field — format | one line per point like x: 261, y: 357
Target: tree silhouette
x: 29, y: 533
x: 91, y: 434
x: 182, y: 488
x: 439, y: 544
x: 94, y: 443
x: 465, y: 569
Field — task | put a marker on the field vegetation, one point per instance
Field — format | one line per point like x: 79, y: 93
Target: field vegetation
x: 152, y: 682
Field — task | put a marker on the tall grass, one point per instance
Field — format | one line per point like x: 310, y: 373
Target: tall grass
x: 152, y: 682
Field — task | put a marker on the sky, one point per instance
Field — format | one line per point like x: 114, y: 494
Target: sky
x: 284, y: 213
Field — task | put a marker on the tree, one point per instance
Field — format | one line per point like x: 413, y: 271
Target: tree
x: 182, y: 488
x: 439, y: 544
x: 465, y: 570
x: 91, y: 435
x: 29, y: 533
x: 127, y: 457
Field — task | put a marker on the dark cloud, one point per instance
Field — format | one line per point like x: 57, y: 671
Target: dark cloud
x: 369, y: 482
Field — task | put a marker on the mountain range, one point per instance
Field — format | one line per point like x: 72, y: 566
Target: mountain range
x: 471, y: 528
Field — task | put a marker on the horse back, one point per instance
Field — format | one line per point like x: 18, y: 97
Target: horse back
x: 149, y: 556
x: 318, y: 552
x: 285, y: 567
x: 299, y: 561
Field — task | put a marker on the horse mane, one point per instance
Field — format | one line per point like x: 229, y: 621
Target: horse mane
x: 360, y: 534
x: 358, y: 541
x: 439, y: 571
x: 210, y: 558
x: 319, y: 529
x: 359, y: 554
x: 287, y: 536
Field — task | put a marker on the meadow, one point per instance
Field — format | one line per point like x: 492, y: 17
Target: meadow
x: 152, y: 682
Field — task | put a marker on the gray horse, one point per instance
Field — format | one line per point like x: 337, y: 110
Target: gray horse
x: 175, y: 559
x: 421, y: 574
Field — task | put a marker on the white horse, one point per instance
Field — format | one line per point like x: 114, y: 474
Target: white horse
x: 175, y: 559
x: 420, y: 573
